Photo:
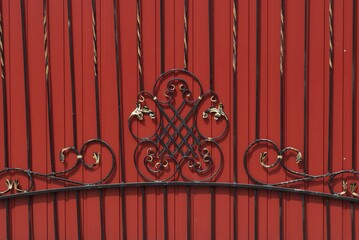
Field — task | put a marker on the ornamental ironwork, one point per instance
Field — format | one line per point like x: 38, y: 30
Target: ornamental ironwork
x: 80, y: 158
x: 178, y: 146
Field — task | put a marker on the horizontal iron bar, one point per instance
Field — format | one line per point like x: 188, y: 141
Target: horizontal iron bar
x: 195, y: 184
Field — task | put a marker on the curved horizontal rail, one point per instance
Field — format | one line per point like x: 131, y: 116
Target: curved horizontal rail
x: 195, y: 184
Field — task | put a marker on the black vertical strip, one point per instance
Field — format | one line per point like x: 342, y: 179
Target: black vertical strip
x: 210, y: 31
x: 282, y: 77
x: 185, y: 33
x: 5, y: 116
x: 255, y: 213
x: 72, y: 72
x: 211, y: 78
x: 305, y: 115
x: 139, y: 44
x: 98, y: 124
x: 78, y: 215
x: 327, y: 207
x: 331, y: 75
x: 258, y: 64
x: 27, y: 109
x: 73, y: 103
x: 144, y: 216
x: 162, y: 44
x: 282, y: 107
x: 102, y: 214
x: 281, y: 227
x: 304, y: 217
x: 7, y: 220
x: 235, y: 214
x: 354, y: 82
x: 165, y: 213
x: 213, y: 213
x: 354, y: 118
x: 4, y: 93
x: 235, y: 151
x: 120, y: 124
x: 306, y: 85
x: 94, y: 29
x: 49, y: 108
x: 352, y: 213
x: 189, y: 215
x: 330, y: 112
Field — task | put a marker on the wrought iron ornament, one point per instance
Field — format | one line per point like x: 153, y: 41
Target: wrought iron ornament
x: 177, y: 142
x: 63, y: 176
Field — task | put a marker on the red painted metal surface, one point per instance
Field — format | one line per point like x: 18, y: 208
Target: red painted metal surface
x: 268, y: 202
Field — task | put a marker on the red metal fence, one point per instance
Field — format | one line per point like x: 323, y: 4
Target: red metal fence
x: 310, y: 106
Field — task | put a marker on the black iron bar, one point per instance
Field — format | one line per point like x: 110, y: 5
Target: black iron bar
x: 331, y: 76
x: 354, y: 99
x: 189, y: 214
x: 141, y: 83
x: 234, y: 113
x: 330, y: 112
x: 162, y: 43
x: 97, y: 97
x: 120, y: 122
x: 78, y: 215
x: 211, y: 86
x: 327, y: 217
x: 306, y: 96
x: 5, y: 116
x: 73, y: 103
x: 258, y: 69
x: 282, y: 107
x: 49, y: 108
x: 352, y: 220
x: 185, y: 33
x: 185, y: 184
x: 144, y: 215
x: 27, y: 110
x: 354, y: 82
x: 255, y: 213
x: 281, y: 226
x: 210, y: 33
x: 304, y: 216
x: 258, y: 64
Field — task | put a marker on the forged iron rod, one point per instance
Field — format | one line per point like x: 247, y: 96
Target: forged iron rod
x: 49, y: 109
x: 304, y: 217
x: 354, y: 105
x: 282, y: 107
x: 211, y: 79
x: 27, y: 111
x: 95, y: 68
x: 120, y: 122
x: 330, y: 112
x: 5, y: 115
x: 331, y: 76
x: 98, y: 124
x: 354, y: 82
x: 162, y: 39
x: 281, y: 237
x: 189, y: 219
x: 185, y: 33
x: 235, y: 149
x: 140, y: 76
x: 281, y: 66
x: 73, y: 104
x: 258, y: 69
x: 258, y: 64
x: 139, y: 44
x: 211, y: 49
x: 306, y: 96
